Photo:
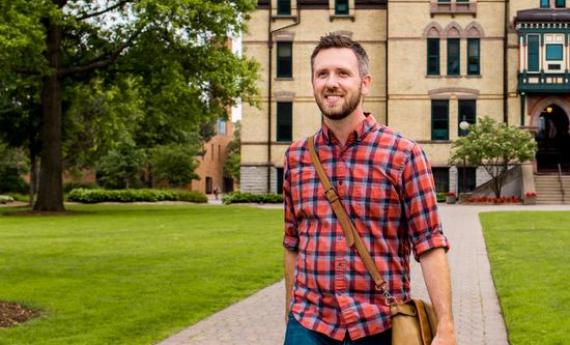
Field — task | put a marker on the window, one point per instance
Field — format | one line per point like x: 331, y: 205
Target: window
x: 533, y: 47
x: 433, y: 56
x: 341, y: 7
x: 222, y: 127
x: 554, y: 52
x: 283, y: 7
x: 209, y: 185
x: 284, y: 121
x: 284, y: 59
x: 453, y: 56
x: 279, y: 180
x: 467, y: 111
x: 560, y: 3
x: 466, y: 179
x: 473, y: 56
x: 441, y: 179
x: 440, y: 120
x: 544, y: 3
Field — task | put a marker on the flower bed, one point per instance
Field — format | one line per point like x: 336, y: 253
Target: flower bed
x: 484, y: 199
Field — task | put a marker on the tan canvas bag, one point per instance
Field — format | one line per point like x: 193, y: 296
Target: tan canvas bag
x: 413, y: 323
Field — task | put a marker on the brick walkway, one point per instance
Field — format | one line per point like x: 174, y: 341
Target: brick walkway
x: 259, y: 320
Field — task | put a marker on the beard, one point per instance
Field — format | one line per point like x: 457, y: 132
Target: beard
x: 349, y: 102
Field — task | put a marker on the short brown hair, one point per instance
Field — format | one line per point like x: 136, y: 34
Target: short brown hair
x: 339, y: 40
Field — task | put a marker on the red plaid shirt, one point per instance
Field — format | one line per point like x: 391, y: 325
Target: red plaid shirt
x: 386, y: 186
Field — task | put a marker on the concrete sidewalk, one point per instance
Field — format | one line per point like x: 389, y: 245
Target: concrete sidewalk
x: 259, y: 319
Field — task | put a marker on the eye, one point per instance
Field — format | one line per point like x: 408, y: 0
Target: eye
x: 321, y: 74
x: 343, y: 73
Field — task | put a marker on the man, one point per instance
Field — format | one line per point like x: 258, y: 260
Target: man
x: 386, y: 186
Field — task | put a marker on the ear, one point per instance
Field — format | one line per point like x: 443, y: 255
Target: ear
x: 366, y: 84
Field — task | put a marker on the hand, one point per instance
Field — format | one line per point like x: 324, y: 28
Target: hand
x: 445, y: 335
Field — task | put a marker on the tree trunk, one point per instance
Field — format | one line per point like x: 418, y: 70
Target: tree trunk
x: 497, y: 186
x: 50, y: 193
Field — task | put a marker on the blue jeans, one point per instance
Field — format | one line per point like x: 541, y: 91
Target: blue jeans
x: 296, y: 334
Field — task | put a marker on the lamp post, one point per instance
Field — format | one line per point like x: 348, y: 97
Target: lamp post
x: 464, y: 126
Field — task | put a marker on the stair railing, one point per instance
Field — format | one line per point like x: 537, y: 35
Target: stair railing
x: 561, y: 183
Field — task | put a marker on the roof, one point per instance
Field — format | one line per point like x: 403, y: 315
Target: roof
x: 544, y: 15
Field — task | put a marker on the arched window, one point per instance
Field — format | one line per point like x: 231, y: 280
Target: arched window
x: 432, y: 33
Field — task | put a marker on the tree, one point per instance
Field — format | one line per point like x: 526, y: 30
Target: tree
x: 175, y: 164
x: 176, y: 48
x: 232, y: 164
x: 495, y: 147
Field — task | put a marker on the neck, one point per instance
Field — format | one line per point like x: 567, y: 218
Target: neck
x: 343, y: 127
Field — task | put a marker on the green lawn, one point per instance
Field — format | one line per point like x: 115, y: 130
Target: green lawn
x: 124, y: 274
x: 530, y: 259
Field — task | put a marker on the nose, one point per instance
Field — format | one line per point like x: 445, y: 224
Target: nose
x: 332, y: 81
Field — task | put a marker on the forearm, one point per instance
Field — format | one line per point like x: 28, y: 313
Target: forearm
x: 438, y: 282
x: 289, y: 261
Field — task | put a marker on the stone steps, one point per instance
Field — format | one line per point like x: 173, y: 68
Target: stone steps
x: 548, y: 190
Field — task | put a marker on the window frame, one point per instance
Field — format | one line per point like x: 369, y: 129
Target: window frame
x: 283, y: 7
x: 441, y: 174
x: 553, y: 45
x: 476, y: 71
x: 457, y: 56
x: 284, y: 63
x: 537, y: 55
x: 284, y: 122
x: 471, y: 179
x: 433, y: 55
x: 434, y: 120
x: 470, y: 118
x: 341, y: 13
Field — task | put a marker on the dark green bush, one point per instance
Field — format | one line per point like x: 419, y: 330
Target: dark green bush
x: 11, y: 180
x: 239, y: 197
x: 440, y: 197
x: 91, y: 196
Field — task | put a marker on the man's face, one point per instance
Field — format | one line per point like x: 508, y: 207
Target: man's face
x: 337, y: 84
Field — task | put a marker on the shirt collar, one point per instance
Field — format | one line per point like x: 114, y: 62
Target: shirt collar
x: 326, y: 135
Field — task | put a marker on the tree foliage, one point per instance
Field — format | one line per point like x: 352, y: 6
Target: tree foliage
x: 119, y: 71
x: 494, y: 146
x: 232, y: 163
x: 174, y: 164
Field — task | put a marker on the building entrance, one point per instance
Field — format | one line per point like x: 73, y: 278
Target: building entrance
x: 553, y: 140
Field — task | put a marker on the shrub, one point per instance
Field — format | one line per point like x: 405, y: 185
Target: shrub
x: 4, y: 199
x: 20, y: 197
x: 440, y: 197
x: 69, y: 186
x: 239, y: 197
x: 91, y: 196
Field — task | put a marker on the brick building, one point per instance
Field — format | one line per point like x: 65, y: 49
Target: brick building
x: 434, y: 63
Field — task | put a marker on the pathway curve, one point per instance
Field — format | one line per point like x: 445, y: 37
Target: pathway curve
x: 258, y: 320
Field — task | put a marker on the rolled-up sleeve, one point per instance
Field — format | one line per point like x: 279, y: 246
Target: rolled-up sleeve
x: 420, y: 205
x: 290, y: 238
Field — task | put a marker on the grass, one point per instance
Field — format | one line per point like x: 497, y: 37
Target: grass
x: 126, y: 274
x: 529, y: 254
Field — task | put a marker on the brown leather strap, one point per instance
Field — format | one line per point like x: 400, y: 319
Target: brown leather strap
x: 350, y: 232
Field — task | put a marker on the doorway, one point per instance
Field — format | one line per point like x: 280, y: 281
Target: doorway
x: 553, y: 140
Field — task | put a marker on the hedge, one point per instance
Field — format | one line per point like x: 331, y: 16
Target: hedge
x: 91, y: 196
x: 239, y: 197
